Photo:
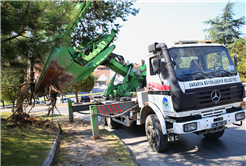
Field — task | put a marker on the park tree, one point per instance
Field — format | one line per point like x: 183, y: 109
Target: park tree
x: 224, y: 28
x: 9, y: 85
x: 9, y: 94
x: 86, y: 85
x: 64, y: 93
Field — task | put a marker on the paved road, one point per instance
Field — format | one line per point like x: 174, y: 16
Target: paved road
x: 189, y: 149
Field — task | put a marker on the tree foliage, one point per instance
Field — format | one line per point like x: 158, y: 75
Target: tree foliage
x: 224, y: 28
x: 30, y: 29
x: 239, y: 47
x: 86, y: 85
x: 2, y: 99
x: 9, y: 85
x: 101, y: 18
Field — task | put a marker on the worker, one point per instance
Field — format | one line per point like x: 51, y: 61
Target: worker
x: 143, y: 73
x: 178, y: 70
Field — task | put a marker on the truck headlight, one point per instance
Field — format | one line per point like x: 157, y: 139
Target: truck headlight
x: 190, y: 127
x: 240, y: 116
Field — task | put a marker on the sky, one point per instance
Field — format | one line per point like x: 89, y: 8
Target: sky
x: 168, y: 21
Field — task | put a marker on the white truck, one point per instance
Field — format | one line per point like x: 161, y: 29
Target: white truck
x: 192, y: 87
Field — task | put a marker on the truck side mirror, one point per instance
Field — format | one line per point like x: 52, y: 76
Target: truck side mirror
x: 155, y: 62
x: 235, y: 59
x: 152, y: 48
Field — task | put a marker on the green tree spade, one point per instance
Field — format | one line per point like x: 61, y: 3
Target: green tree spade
x: 224, y: 28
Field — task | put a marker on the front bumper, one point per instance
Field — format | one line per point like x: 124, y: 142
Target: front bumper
x: 205, y: 124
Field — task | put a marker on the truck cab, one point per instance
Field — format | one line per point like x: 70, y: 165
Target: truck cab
x: 192, y: 87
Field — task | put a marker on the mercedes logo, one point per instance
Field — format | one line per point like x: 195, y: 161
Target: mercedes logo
x: 216, y: 95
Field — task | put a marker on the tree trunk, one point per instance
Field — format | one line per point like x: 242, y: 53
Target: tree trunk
x: 76, y: 96
x: 44, y: 100
x: 20, y: 99
x: 19, y: 104
x: 31, y: 85
x: 53, y: 103
x: 3, y: 103
x: 13, y: 106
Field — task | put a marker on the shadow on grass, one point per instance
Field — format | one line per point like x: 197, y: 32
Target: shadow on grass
x: 26, y: 145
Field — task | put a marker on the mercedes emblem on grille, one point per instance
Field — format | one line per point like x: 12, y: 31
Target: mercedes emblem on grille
x: 216, y: 95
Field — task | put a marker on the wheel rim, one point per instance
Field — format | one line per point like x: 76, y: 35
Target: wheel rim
x: 151, y: 135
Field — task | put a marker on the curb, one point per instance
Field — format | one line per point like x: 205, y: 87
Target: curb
x: 51, y: 155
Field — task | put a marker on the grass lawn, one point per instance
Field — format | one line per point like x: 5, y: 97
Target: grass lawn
x: 117, y: 149
x: 25, y: 146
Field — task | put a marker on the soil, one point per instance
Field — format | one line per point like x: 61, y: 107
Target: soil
x: 24, y: 120
x: 77, y: 146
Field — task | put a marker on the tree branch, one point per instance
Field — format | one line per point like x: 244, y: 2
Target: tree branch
x: 13, y: 37
x: 40, y: 10
x: 35, y: 29
x: 6, y: 5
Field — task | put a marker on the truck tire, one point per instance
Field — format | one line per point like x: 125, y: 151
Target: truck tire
x: 214, y: 136
x: 112, y: 124
x: 104, y: 121
x: 157, y: 141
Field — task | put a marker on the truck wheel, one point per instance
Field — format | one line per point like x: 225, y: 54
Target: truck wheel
x: 112, y: 124
x: 104, y: 121
x: 157, y: 141
x: 213, y: 136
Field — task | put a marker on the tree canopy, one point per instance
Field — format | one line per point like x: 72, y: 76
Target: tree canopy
x: 86, y: 85
x: 30, y: 29
x: 224, y: 28
x: 101, y: 18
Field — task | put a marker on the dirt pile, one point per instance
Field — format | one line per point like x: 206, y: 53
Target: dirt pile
x: 25, y: 120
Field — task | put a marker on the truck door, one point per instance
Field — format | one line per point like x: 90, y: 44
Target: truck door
x: 158, y: 83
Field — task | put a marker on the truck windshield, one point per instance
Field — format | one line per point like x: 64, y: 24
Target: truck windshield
x: 200, y: 62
